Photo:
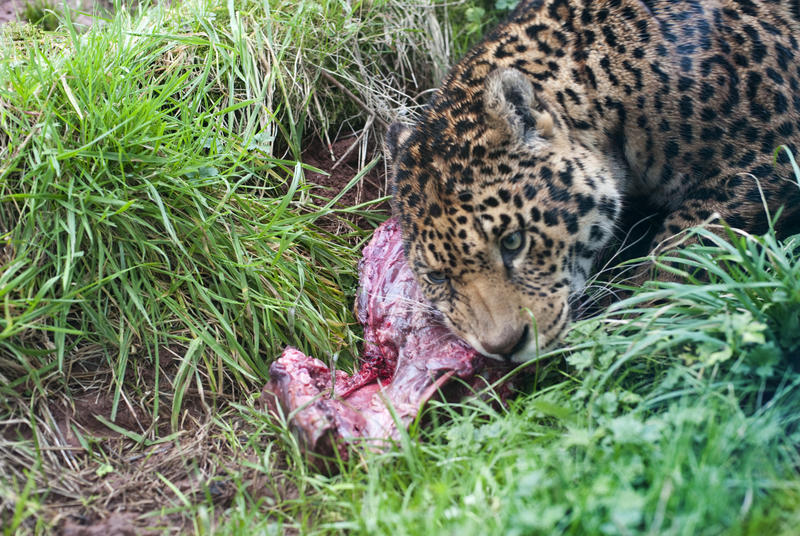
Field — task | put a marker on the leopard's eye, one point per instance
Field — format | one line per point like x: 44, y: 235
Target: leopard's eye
x: 511, y: 242
x: 436, y: 277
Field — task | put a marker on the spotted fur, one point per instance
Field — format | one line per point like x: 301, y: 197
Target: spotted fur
x: 515, y: 175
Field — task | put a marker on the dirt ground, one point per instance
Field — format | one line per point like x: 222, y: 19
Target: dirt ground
x: 8, y: 11
x: 341, y: 161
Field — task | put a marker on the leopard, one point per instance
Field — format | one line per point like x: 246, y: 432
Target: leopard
x: 513, y: 177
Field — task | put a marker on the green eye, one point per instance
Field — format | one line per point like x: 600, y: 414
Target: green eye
x: 511, y: 242
x: 436, y: 277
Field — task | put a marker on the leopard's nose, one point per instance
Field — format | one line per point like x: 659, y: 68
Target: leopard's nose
x: 507, y: 341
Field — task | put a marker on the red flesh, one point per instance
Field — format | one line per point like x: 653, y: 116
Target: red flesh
x: 408, y: 355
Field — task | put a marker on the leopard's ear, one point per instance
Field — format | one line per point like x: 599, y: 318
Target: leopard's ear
x: 396, y: 137
x: 512, y: 108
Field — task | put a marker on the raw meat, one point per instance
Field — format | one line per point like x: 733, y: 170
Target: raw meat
x: 408, y: 355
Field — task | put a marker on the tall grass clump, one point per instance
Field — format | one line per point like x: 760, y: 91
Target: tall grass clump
x: 142, y: 206
x: 41, y: 13
x: 152, y: 190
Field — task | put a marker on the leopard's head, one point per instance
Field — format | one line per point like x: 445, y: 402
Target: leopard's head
x: 502, y: 212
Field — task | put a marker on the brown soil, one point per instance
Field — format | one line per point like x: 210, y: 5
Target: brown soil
x: 8, y: 11
x: 341, y: 161
x: 121, y: 479
x: 116, y: 524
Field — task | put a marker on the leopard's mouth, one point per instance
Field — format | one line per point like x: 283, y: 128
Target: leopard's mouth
x: 410, y: 354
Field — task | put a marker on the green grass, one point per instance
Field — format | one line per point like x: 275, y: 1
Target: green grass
x: 159, y: 245
x: 41, y: 13
x: 144, y: 207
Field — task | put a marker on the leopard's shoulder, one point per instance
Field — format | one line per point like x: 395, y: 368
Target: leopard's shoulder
x: 514, y: 176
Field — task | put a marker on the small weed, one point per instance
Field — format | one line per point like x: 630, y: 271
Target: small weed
x: 42, y: 13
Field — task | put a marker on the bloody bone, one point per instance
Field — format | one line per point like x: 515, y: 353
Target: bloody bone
x: 408, y: 355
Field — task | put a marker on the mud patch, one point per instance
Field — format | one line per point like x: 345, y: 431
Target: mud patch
x: 116, y: 524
